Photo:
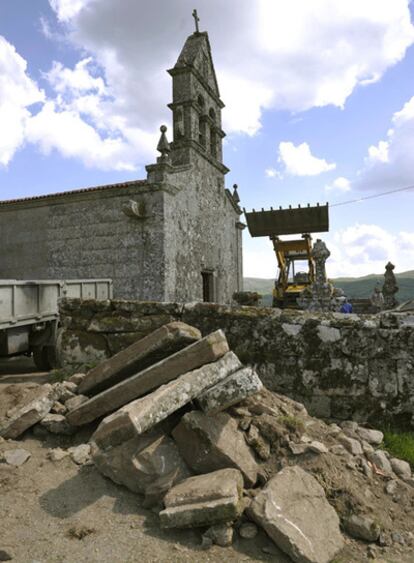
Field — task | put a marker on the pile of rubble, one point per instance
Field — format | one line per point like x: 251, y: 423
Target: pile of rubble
x: 178, y: 419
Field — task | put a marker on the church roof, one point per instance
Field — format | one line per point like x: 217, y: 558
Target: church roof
x: 75, y: 192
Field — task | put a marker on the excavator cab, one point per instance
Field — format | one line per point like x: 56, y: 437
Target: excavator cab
x: 291, y: 281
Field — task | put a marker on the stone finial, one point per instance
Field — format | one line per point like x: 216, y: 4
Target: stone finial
x: 236, y: 197
x: 390, y: 287
x: 163, y: 145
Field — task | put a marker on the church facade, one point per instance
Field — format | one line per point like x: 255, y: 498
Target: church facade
x: 175, y: 236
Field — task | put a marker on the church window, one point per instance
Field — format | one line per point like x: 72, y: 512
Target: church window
x: 202, y: 131
x: 212, y: 114
x: 200, y: 101
x: 213, y: 143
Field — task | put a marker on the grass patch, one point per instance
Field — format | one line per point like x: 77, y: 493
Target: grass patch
x: 292, y: 423
x: 400, y: 444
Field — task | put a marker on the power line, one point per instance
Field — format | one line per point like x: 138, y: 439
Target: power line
x: 372, y: 196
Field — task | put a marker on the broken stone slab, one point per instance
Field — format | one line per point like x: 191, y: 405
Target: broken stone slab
x: 141, y: 461
x: 294, y: 512
x: 232, y: 390
x: 204, y: 500
x: 141, y: 415
x: 208, y: 443
x: 154, y: 347
x: 206, y: 350
x: 35, y: 406
x: 16, y: 457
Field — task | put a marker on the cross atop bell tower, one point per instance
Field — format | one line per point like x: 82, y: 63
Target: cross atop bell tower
x: 196, y: 20
x: 196, y: 104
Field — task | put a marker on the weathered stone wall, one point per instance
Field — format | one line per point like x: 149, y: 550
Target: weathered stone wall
x: 87, y: 235
x: 340, y: 366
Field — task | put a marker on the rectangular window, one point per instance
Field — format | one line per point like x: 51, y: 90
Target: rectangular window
x: 208, y: 287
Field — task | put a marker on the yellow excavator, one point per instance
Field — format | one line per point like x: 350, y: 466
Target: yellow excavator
x: 274, y: 223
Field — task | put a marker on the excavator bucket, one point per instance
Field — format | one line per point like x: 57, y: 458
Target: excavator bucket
x: 275, y: 222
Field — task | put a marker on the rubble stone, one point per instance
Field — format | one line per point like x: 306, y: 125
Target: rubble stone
x: 141, y: 461
x: 57, y: 424
x: 248, y: 530
x: 208, y: 443
x: 293, y: 511
x: 220, y: 534
x: 352, y: 445
x: 207, y: 350
x: 362, y: 528
x: 232, y: 390
x: 380, y: 460
x: 374, y: 437
x: 154, y: 347
x: 257, y: 442
x: 58, y: 408
x: 77, y: 378
x: 401, y: 468
x: 203, y: 500
x: 75, y: 402
x: 57, y: 454
x: 16, y: 457
x: 36, y: 405
x: 80, y: 454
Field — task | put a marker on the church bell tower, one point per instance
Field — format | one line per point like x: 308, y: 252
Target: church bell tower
x: 196, y: 104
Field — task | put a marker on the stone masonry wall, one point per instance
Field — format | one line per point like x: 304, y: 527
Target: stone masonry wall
x: 340, y: 366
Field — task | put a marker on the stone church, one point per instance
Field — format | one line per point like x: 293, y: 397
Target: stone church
x: 176, y: 236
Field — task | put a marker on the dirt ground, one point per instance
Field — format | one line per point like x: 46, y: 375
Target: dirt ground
x: 59, y: 512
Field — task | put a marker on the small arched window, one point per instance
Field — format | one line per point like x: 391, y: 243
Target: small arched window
x: 200, y: 101
x: 212, y: 114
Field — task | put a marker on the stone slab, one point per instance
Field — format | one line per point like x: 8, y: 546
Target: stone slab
x: 35, y: 406
x: 207, y: 350
x: 204, y: 500
x: 208, y: 443
x: 232, y: 390
x: 201, y: 488
x: 294, y: 512
x: 147, y: 351
x: 141, y: 461
x: 139, y: 416
x: 200, y: 514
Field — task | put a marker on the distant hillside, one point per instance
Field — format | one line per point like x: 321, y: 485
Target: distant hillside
x: 353, y: 287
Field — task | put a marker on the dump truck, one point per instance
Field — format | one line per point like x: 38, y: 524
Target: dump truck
x: 29, y: 317
x: 302, y: 221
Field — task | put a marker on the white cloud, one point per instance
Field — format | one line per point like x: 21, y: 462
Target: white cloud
x: 284, y: 55
x: 340, y: 184
x: 389, y: 164
x: 272, y: 173
x: 74, y: 81
x: 356, y: 251
x: 299, y: 161
x: 68, y: 9
x: 17, y: 93
x: 363, y: 249
x: 66, y: 132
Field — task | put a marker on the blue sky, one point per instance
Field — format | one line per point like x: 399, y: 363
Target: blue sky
x: 319, y: 107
